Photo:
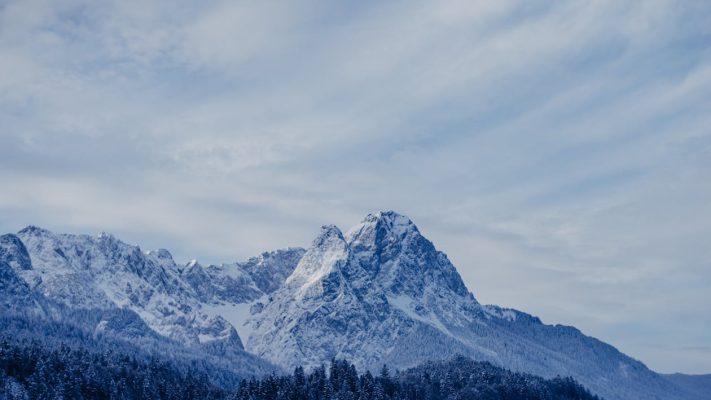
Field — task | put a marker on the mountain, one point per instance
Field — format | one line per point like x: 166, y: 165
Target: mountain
x: 98, y: 285
x: 697, y: 385
x: 16, y: 295
x: 102, y: 272
x: 99, y: 293
x: 382, y: 293
x: 379, y: 294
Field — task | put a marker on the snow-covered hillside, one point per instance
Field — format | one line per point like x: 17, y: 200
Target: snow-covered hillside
x: 382, y: 293
x: 175, y: 301
x: 379, y: 294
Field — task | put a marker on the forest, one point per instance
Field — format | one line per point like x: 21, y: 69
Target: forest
x: 29, y: 370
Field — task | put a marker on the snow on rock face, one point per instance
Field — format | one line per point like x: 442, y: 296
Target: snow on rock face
x: 399, y: 261
x: 356, y: 296
x: 327, y: 254
x: 15, y: 295
x: 316, y: 315
x: 383, y: 294
x: 13, y: 252
x: 161, y: 257
x: 242, y: 282
x: 82, y: 271
x: 179, y: 302
x: 219, y: 284
x: 270, y: 269
x: 124, y: 323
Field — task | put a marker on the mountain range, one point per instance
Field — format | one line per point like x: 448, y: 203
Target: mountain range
x: 380, y: 293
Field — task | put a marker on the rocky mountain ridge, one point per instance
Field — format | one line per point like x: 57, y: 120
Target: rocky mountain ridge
x: 380, y: 293
x: 83, y: 271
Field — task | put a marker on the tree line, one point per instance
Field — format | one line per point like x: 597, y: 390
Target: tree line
x: 29, y: 370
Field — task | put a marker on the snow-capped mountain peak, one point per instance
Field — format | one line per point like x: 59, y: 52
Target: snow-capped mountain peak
x: 160, y: 253
x: 382, y: 226
x: 33, y: 230
x: 106, y: 236
x: 380, y: 294
x: 383, y: 293
x: 391, y: 248
x: 327, y: 255
x: 381, y: 283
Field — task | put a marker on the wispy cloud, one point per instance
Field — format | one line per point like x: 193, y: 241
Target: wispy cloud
x: 558, y: 152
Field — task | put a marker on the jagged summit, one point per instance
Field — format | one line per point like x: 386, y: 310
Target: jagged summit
x: 390, y: 247
x: 106, y: 236
x: 33, y: 230
x: 327, y: 234
x: 388, y: 225
x: 377, y: 286
x: 392, y: 219
x: 327, y: 255
x: 160, y: 254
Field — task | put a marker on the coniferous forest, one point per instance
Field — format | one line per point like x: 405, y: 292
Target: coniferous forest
x: 29, y: 370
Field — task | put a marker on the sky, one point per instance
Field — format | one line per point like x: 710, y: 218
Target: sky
x: 558, y: 152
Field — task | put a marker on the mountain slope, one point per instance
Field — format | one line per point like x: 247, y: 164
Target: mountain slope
x: 26, y: 314
x: 382, y: 293
x: 82, y: 271
x: 102, y: 272
x: 696, y: 385
x: 16, y: 295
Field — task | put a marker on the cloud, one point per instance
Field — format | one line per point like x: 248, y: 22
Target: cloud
x: 556, y: 152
